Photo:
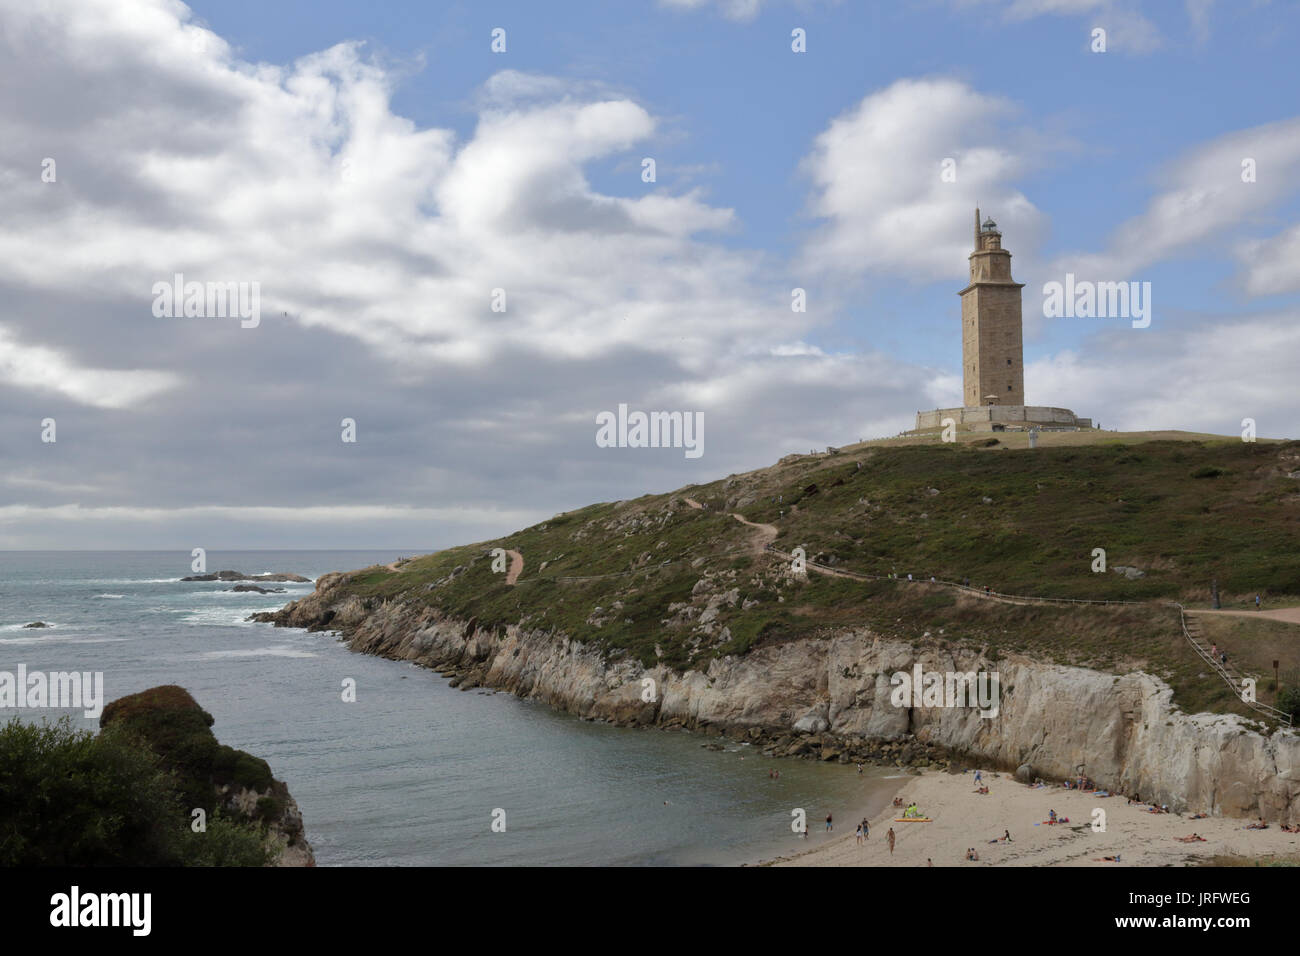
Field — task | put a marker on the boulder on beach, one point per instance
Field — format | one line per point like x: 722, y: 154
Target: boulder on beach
x: 241, y: 576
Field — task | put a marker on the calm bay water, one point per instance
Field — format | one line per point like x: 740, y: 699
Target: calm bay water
x: 411, y: 773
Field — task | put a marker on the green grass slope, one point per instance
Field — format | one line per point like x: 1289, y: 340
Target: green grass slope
x: 662, y: 581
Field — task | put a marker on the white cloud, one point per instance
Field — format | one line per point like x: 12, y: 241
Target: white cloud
x: 1127, y: 29
x: 731, y: 9
x: 1206, y: 377
x: 45, y: 369
x: 1202, y: 201
x: 1271, y: 266
x: 887, y: 208
x: 352, y: 218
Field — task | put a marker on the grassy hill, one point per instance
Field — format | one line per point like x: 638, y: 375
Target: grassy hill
x: 664, y: 581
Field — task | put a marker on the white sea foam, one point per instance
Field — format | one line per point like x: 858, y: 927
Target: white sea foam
x: 54, y: 639
x: 215, y: 617
x: 117, y: 581
x: 279, y: 651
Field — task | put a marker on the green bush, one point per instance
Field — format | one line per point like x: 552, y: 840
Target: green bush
x: 68, y: 798
x: 1289, y: 702
x: 228, y: 842
x: 71, y: 798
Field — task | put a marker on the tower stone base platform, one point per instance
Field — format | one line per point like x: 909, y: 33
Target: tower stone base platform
x: 996, y: 418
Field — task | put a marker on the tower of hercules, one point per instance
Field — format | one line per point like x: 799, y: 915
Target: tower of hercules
x: 992, y: 352
x: 993, y: 363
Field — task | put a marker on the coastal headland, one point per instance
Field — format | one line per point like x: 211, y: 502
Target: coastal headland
x: 685, y: 610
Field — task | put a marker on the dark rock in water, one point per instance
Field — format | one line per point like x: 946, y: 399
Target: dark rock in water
x: 254, y: 587
x: 241, y: 576
x: 36, y: 624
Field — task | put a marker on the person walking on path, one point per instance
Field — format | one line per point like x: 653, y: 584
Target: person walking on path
x: 890, y: 835
x: 859, y: 834
x: 1256, y: 602
x: 866, y: 829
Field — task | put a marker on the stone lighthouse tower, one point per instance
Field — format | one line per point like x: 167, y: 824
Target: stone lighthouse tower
x: 992, y: 352
x: 993, y: 362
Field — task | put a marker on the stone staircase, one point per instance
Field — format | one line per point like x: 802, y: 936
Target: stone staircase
x: 1231, y: 676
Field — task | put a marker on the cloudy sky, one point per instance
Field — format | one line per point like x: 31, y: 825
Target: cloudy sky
x: 379, y: 170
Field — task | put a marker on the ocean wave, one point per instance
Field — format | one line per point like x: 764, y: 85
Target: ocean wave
x: 110, y: 597
x: 66, y: 639
x: 278, y: 651
x: 215, y: 617
x: 77, y: 581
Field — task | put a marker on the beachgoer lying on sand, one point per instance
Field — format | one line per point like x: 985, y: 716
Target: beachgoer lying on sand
x: 1106, y: 859
x: 1194, y: 838
x: 1290, y: 827
x: 1198, y: 816
x: 1261, y: 825
x: 981, y: 790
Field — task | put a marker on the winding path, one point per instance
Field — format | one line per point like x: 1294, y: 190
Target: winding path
x: 516, y: 567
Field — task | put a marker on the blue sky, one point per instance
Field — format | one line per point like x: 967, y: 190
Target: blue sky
x: 741, y: 109
x: 378, y: 171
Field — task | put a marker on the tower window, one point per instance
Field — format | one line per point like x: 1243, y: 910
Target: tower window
x: 1008, y: 388
x: 1008, y: 361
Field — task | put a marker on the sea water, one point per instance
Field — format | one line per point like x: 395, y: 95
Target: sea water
x: 414, y: 772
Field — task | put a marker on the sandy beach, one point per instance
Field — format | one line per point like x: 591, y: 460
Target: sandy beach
x: 963, y: 818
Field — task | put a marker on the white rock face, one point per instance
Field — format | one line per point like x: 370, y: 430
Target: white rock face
x: 1120, y: 730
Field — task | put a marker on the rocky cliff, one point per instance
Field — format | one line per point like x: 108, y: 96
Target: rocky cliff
x: 830, y: 696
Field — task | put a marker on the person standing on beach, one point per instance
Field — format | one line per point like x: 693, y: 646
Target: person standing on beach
x: 859, y: 834
x: 890, y: 835
x: 866, y: 829
x: 829, y: 828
